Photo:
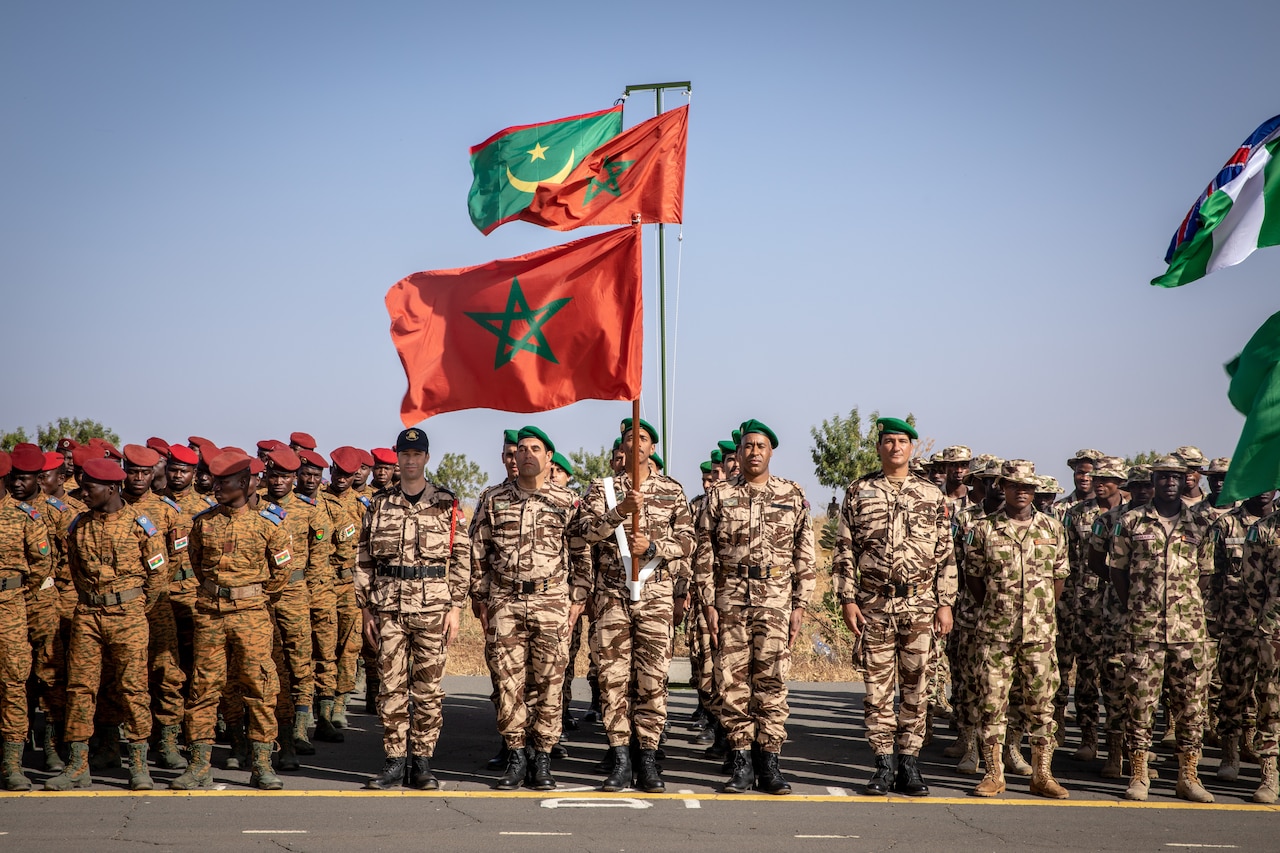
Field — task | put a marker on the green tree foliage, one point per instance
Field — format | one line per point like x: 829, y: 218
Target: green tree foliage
x: 1144, y: 458
x: 842, y: 452
x: 9, y: 438
x: 459, y: 475
x: 588, y: 466
x: 79, y: 429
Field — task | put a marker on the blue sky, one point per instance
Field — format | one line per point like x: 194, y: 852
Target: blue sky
x: 947, y: 209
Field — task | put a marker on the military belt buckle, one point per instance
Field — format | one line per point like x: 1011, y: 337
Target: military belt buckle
x: 182, y: 574
x: 10, y: 583
x: 297, y: 575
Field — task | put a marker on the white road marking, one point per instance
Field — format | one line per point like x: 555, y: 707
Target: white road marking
x: 273, y: 832
x: 219, y: 787
x: 826, y: 836
x: 838, y: 792
x: 1205, y: 846
x: 689, y: 804
x: 535, y: 833
x: 576, y: 789
x: 595, y: 803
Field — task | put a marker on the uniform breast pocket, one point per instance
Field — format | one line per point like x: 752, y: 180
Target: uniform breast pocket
x: 733, y: 530
x: 921, y: 524
x: 549, y: 531
x: 782, y: 527
x: 384, y: 538
x: 433, y: 537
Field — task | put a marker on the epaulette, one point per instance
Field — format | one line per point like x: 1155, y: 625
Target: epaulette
x: 271, y: 517
x: 368, y: 504
x: 210, y: 501
x: 202, y: 513
x: 276, y: 510
x: 55, y: 503
x: 146, y: 525
x: 306, y: 500
x: 171, y: 502
x: 29, y: 510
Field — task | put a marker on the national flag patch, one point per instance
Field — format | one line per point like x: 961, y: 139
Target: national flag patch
x: 155, y: 562
x: 282, y: 557
x: 319, y: 535
x: 180, y: 544
x: 43, y: 547
x: 348, y: 531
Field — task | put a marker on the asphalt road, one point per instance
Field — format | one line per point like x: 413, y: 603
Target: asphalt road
x: 826, y: 758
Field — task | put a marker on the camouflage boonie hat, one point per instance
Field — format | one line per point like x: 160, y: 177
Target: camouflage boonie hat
x: 1049, y: 486
x: 1109, y: 466
x: 1219, y: 465
x: 1169, y: 463
x: 917, y: 464
x: 1086, y: 455
x: 985, y: 465
x: 1190, y: 456
x: 1022, y: 471
x: 956, y: 453
x: 1139, y: 474
x: 935, y: 458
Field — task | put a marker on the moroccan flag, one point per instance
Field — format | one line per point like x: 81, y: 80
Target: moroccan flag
x: 1255, y: 392
x: 512, y: 163
x: 640, y: 172
x: 1237, y: 213
x: 524, y: 334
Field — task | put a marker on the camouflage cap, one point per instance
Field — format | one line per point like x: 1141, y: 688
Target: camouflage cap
x: 1049, y: 486
x: 1139, y: 474
x: 957, y: 453
x: 935, y: 459
x: 985, y: 465
x: 1169, y: 463
x: 1109, y: 466
x: 1085, y: 455
x: 1219, y: 465
x: 1190, y: 456
x: 917, y: 464
x: 1022, y: 471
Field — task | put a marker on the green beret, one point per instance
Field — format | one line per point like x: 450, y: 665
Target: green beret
x: 705, y: 467
x: 534, y: 432
x: 896, y: 426
x: 558, y: 458
x: 717, y: 456
x: 510, y: 436
x: 736, y: 435
x: 657, y: 460
x: 644, y: 425
x: 754, y: 425
x: 727, y: 447
x: 617, y: 442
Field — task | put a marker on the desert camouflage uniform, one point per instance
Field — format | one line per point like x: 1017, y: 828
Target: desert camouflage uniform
x: 346, y: 512
x: 26, y: 561
x: 1235, y: 618
x: 51, y: 668
x: 1067, y: 608
x: 895, y: 558
x: 527, y: 555
x: 414, y: 565
x: 966, y: 669
x: 1019, y: 565
x: 635, y: 637
x: 701, y: 655
x: 1165, y: 621
x: 183, y: 585
x: 119, y: 568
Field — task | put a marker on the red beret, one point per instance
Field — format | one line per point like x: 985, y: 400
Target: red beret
x: 310, y: 457
x: 197, y: 440
x: 366, y: 458
x: 143, y: 457
x: 6, y: 464
x: 303, y: 440
x: 84, y: 453
x: 256, y: 466
x: 346, y: 459
x: 65, y: 444
x: 53, y: 460
x: 207, y: 450
x: 284, y: 458
x: 228, y: 462
x: 270, y: 444
x: 159, y: 445
x: 384, y: 456
x: 28, y: 458
x: 111, y: 450
x: 185, y: 455
x: 234, y: 449
x: 104, y: 471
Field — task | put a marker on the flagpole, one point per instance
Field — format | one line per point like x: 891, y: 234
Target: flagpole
x: 635, y: 484
x: 657, y: 89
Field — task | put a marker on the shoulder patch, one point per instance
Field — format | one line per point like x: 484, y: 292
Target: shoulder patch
x: 55, y: 503
x: 29, y: 510
x: 1252, y: 535
x: 306, y: 500
x: 146, y: 525
x: 270, y: 516
x: 276, y: 510
x: 171, y: 502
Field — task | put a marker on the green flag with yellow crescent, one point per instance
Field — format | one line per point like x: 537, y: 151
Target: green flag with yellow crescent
x: 510, y: 165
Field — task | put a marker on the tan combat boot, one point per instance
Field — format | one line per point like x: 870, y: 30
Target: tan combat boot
x: 1139, y: 783
x: 339, y: 715
x: 76, y: 773
x: 1229, y: 766
x: 958, y: 747
x: 1088, y: 749
x: 1269, y: 790
x: 1113, y: 767
x: 992, y: 783
x: 1042, y: 782
x: 168, y: 755
x: 198, y: 773
x: 1189, y: 787
x: 969, y: 761
x: 1013, y: 760
x: 1247, y: 752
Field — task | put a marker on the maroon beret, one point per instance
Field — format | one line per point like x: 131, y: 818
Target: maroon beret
x: 84, y: 453
x: 159, y: 445
x: 346, y: 459
x: 143, y: 457
x: 256, y: 466
x: 197, y: 440
x: 65, y: 444
x: 6, y: 464
x: 228, y: 462
x: 366, y: 458
x: 28, y: 458
x: 384, y: 456
x: 270, y: 444
x: 310, y: 457
x: 303, y: 440
x: 185, y: 455
x: 53, y: 460
x: 111, y: 450
x: 284, y: 458
x: 104, y: 471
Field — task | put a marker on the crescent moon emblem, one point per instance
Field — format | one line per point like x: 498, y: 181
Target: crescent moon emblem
x: 531, y: 186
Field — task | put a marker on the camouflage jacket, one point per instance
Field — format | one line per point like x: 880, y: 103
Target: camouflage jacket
x: 529, y: 538
x: 665, y: 520
x: 58, y: 515
x: 237, y: 548
x: 116, y: 552
x: 1260, y: 574
x: 1231, y: 607
x: 894, y: 536
x: 966, y: 606
x: 344, y: 513
x: 310, y: 539
x: 1084, y: 591
x: 26, y: 548
x: 174, y: 524
x: 1165, y: 605
x: 1019, y: 565
x: 747, y: 529
x: 429, y: 533
x: 1212, y: 511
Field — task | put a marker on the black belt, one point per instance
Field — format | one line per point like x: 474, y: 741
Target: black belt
x: 411, y: 573
x: 528, y: 587
x: 894, y: 590
x: 12, y: 583
x: 111, y: 597
x: 621, y: 578
x: 758, y: 573
x: 182, y: 574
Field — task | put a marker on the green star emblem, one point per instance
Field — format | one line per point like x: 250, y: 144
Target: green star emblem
x: 613, y: 168
x: 518, y: 311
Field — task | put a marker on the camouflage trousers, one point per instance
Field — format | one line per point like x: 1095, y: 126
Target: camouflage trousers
x: 350, y: 637
x: 584, y: 627
x: 528, y: 640
x: 116, y: 635
x: 243, y: 640
x: 1268, y: 699
x: 1034, y: 668
x: 1067, y: 621
x: 962, y: 649
x: 164, y: 664
x: 324, y: 640
x: 895, y: 654
x: 751, y: 669
x: 635, y: 651
x: 1183, y: 670
x: 48, y: 658
x: 701, y: 658
x: 15, y: 666
x: 184, y: 622
x: 411, y: 659
x: 937, y: 675
x: 1090, y: 647
x: 291, y: 653
x: 1239, y: 661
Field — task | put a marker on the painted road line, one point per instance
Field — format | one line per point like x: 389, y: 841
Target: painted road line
x: 535, y: 833
x: 595, y: 803
x: 1209, y: 846
x: 273, y: 832
x: 838, y: 792
x: 690, y: 804
x: 828, y: 836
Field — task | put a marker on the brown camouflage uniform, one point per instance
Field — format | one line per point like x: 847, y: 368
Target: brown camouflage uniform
x: 635, y: 637
x: 966, y: 670
x: 895, y: 558
x: 184, y: 583
x: 51, y: 671
x: 754, y: 562
x: 346, y: 512
x: 701, y: 654
x: 527, y: 554
x: 414, y: 566
x: 26, y: 561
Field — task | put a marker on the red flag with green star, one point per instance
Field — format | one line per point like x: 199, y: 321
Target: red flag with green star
x: 524, y: 334
x: 639, y: 172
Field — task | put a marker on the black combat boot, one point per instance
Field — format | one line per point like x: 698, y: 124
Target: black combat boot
x: 420, y: 775
x: 720, y: 745
x: 620, y: 771
x: 567, y: 721
x: 908, y: 780
x: 558, y: 749
x: 542, y: 778
x: 517, y: 766
x: 392, y: 775
x: 499, y: 761
x: 593, y: 713
x: 768, y: 778
x: 743, y: 775
x: 699, y: 713
x: 882, y: 780
x: 370, y: 691
x: 648, y: 776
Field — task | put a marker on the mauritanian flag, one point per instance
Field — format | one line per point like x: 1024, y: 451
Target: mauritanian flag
x: 1237, y: 213
x: 637, y: 173
x: 524, y: 334
x: 510, y: 165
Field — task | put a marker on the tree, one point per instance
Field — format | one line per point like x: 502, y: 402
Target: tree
x: 589, y: 466
x: 842, y: 452
x: 10, y: 438
x: 1145, y: 458
x: 459, y: 475
x: 79, y: 429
